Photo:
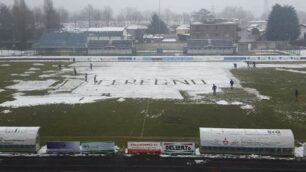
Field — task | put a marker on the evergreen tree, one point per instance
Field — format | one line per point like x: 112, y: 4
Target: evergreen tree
x: 24, y: 25
x: 157, y: 26
x: 283, y: 24
x: 6, y: 25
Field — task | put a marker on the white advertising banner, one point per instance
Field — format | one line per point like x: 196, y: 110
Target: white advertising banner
x: 269, y: 138
x: 18, y: 135
x: 144, y: 147
x: 178, y: 148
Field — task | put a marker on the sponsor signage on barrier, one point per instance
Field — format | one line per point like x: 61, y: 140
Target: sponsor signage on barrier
x: 98, y: 147
x: 255, y: 138
x: 144, y: 148
x: 182, y: 148
x: 304, y: 154
x: 63, y: 147
x: 232, y: 58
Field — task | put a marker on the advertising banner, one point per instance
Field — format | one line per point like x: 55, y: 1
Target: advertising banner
x: 63, y: 147
x: 98, y: 147
x: 144, y: 148
x: 178, y: 148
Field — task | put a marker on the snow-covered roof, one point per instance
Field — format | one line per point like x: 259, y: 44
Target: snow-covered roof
x: 106, y: 29
x: 18, y: 135
x: 253, y: 138
x: 183, y: 27
x: 135, y: 27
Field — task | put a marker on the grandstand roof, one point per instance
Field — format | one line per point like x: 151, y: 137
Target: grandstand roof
x: 107, y: 29
x: 136, y: 27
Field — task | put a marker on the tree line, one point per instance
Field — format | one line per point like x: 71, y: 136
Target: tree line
x: 21, y: 26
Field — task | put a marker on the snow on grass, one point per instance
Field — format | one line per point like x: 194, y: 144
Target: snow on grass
x: 38, y: 64
x: 5, y: 65
x: 14, y: 74
x: 156, y: 80
x: 291, y: 70
x: 48, y: 71
x: 247, y: 107
x: 34, y: 69
x: 46, y: 76
x: 24, y: 75
x: 1, y: 90
x: 32, y: 85
x: 237, y: 103
x: 25, y: 101
x: 30, y: 72
x: 282, y: 65
x: 18, y: 94
x: 121, y: 100
x: 222, y: 102
x: 6, y: 111
x: 256, y: 93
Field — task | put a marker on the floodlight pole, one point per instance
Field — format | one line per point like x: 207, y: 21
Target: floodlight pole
x: 159, y: 23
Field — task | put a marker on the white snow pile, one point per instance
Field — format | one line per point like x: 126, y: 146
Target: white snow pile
x: 42, y: 150
x: 32, y: 85
x: 156, y: 80
x: 5, y: 65
x: 299, y: 151
x: 256, y: 93
x: 1, y: 90
x: 6, y: 111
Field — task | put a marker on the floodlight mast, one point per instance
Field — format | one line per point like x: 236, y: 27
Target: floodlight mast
x: 159, y: 29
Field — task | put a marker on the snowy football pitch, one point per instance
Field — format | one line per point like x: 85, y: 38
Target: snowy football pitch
x: 149, y: 100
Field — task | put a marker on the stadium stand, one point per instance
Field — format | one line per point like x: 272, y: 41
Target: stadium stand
x: 98, y: 44
x: 209, y: 47
x: 71, y: 43
x: 62, y: 43
x: 122, y: 44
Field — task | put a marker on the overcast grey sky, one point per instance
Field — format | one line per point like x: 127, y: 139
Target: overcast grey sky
x: 256, y: 6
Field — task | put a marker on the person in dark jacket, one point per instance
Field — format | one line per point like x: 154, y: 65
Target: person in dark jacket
x: 232, y: 84
x: 296, y: 94
x: 214, y: 88
x: 85, y: 77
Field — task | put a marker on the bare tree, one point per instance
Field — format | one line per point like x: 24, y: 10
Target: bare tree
x: 63, y: 15
x: 107, y: 15
x: 38, y: 17
x: 237, y: 13
x: 88, y: 12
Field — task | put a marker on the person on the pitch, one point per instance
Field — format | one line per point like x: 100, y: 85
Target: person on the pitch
x: 232, y: 84
x: 214, y: 88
